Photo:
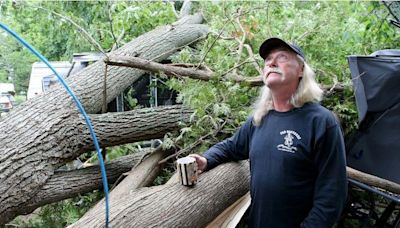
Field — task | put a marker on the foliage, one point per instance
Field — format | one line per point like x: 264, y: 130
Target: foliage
x: 327, y: 31
x: 15, y: 64
x: 62, y: 213
x: 19, y: 99
x: 112, y: 152
x: 40, y: 23
x: 129, y: 101
x: 165, y: 175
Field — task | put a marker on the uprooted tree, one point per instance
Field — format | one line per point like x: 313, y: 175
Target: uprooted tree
x: 46, y: 132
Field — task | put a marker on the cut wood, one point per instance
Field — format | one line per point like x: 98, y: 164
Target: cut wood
x: 231, y: 216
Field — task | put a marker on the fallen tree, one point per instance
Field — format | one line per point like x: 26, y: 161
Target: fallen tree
x: 52, y: 132
x: 174, y: 205
x: 46, y: 132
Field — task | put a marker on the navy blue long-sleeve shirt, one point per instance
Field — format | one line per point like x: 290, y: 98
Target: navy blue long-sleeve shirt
x: 297, y: 166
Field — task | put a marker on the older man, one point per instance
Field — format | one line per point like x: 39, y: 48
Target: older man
x: 295, y: 147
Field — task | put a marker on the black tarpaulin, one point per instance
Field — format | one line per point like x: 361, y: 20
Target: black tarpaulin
x: 375, y: 147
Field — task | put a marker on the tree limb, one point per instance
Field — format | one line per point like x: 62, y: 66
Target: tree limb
x: 67, y: 184
x: 185, y: 9
x: 194, y: 73
x: 240, y: 41
x: 118, y: 128
x: 140, y: 176
x: 373, y: 180
x: 174, y: 205
x: 157, y: 67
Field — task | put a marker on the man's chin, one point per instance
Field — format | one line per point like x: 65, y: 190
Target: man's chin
x: 273, y: 82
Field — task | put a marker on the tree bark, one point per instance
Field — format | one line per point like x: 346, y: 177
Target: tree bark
x: 174, y: 205
x: 67, y: 184
x: 175, y: 71
x: 134, y: 126
x: 140, y: 176
x: 44, y: 133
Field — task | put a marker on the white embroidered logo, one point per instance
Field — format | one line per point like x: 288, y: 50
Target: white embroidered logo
x: 287, y: 144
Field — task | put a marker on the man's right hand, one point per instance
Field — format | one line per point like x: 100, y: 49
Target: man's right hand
x: 201, y: 162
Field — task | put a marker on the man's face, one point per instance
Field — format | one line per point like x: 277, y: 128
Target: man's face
x: 282, y: 69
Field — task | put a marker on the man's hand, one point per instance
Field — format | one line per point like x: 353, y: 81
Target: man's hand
x: 201, y: 162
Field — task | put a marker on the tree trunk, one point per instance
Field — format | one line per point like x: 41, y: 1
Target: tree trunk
x: 68, y: 184
x: 140, y: 176
x: 133, y: 126
x: 47, y: 131
x: 174, y: 205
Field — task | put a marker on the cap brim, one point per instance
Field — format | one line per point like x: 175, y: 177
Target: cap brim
x: 273, y: 43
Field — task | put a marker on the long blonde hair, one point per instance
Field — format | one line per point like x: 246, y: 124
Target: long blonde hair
x: 308, y: 90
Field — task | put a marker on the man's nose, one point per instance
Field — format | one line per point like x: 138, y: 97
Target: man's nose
x: 271, y: 63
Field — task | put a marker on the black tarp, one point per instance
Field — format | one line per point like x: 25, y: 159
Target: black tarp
x: 375, y: 147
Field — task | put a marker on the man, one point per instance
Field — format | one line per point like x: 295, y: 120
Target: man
x: 295, y: 147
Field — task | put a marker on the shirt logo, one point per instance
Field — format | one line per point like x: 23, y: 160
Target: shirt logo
x: 288, y: 141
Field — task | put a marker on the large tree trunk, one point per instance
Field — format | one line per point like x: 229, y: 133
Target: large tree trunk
x: 68, y: 184
x: 140, y: 176
x: 133, y: 126
x: 47, y: 131
x: 174, y: 205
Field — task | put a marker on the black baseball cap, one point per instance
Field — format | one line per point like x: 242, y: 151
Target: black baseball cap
x: 273, y: 43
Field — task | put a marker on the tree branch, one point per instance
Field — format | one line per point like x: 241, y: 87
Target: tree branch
x: 251, y: 55
x: 141, y: 175
x: 240, y: 41
x: 373, y: 180
x: 67, y: 184
x: 110, y: 20
x: 174, y: 205
x: 118, y: 128
x: 185, y: 9
x: 154, y: 67
x: 194, y: 73
x: 391, y: 6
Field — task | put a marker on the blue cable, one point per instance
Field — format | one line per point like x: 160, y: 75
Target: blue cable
x: 80, y: 107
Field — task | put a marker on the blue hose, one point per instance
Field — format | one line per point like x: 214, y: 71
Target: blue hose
x: 80, y: 107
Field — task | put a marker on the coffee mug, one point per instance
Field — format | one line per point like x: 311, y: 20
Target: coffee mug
x: 187, y: 170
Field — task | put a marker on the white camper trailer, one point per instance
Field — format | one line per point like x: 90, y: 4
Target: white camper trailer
x: 42, y: 78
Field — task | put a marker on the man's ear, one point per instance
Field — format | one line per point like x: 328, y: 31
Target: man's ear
x: 301, y: 73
